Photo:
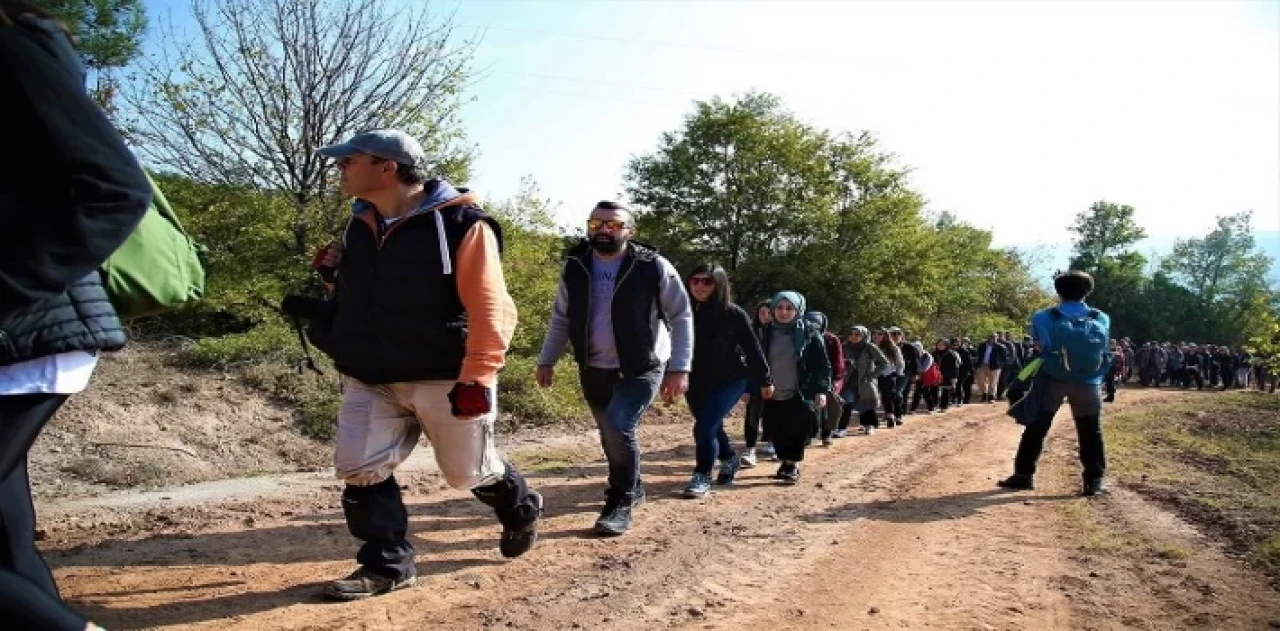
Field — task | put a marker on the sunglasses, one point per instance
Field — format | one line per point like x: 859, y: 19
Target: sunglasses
x: 612, y: 224
x: 702, y: 280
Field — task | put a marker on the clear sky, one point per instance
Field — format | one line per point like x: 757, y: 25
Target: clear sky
x: 1015, y: 116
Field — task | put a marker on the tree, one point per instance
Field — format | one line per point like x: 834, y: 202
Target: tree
x: 532, y: 259
x: 740, y: 177
x: 265, y: 84
x: 1104, y: 231
x: 108, y: 35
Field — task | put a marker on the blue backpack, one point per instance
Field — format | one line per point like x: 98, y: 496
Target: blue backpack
x: 1080, y: 350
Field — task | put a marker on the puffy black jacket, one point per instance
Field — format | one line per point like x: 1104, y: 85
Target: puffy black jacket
x: 725, y: 349
x: 70, y: 194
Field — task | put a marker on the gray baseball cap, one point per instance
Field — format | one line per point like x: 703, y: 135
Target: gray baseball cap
x: 388, y: 144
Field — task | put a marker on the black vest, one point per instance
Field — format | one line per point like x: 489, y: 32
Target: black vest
x: 80, y: 319
x: 634, y: 298
x: 398, y: 315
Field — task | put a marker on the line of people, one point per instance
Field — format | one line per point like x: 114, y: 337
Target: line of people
x: 1186, y: 364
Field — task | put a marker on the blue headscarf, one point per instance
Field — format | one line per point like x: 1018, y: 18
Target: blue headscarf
x: 797, y: 328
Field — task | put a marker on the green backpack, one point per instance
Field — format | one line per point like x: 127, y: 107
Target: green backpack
x: 158, y: 267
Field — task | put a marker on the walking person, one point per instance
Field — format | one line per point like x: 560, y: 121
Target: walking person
x: 829, y: 418
x: 71, y: 193
x: 751, y: 431
x: 861, y: 393
x: 948, y: 361
x: 960, y: 393
x: 1013, y: 362
x: 801, y: 378
x: 926, y: 384
x: 911, y: 369
x: 1073, y: 339
x: 727, y: 363
x: 419, y: 278
x: 891, y: 377
x: 615, y: 302
x: 990, y: 361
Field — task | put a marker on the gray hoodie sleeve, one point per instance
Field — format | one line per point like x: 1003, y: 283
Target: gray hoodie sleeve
x: 674, y: 302
x: 558, y: 331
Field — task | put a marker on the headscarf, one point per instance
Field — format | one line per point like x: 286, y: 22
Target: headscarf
x: 858, y: 347
x: 797, y: 329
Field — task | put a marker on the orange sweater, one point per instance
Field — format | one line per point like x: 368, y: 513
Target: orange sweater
x: 491, y: 313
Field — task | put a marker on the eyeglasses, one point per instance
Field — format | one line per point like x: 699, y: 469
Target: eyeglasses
x: 612, y: 224
x: 702, y: 280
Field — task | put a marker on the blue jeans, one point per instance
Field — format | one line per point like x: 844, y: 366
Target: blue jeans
x: 709, y: 409
x: 617, y: 403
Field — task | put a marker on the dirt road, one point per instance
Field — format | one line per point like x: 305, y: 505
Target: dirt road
x: 901, y: 529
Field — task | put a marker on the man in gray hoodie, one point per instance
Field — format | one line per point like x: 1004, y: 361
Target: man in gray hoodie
x: 616, y: 301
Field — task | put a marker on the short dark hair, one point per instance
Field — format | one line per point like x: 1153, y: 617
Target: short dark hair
x: 1073, y: 285
x: 410, y: 174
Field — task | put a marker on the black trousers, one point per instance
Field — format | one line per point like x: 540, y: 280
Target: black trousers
x: 1089, y: 433
x: 790, y: 424
x: 751, y: 424
x: 377, y: 516
x: 28, y: 597
x: 966, y: 387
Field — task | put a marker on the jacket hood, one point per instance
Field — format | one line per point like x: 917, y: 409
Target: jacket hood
x: 638, y: 249
x: 439, y: 194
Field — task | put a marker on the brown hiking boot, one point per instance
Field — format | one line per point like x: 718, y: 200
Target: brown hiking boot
x: 364, y: 583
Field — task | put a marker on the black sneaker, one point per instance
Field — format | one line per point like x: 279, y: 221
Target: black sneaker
x: 364, y: 583
x: 1017, y: 482
x: 789, y: 473
x: 615, y: 518
x: 637, y: 496
x: 1095, y: 487
x: 729, y: 470
x: 516, y: 541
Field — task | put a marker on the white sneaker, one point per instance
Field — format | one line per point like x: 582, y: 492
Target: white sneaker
x: 870, y: 430
x: 748, y: 458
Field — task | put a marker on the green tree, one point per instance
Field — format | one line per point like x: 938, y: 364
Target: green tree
x: 1105, y: 236
x: 265, y: 84
x: 740, y: 177
x: 1104, y: 232
x: 531, y: 260
x: 108, y: 36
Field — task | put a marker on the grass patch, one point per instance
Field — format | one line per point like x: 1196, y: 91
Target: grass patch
x: 1215, y: 460
x: 551, y: 460
x: 522, y: 403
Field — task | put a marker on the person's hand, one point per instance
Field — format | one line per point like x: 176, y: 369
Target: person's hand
x: 470, y: 400
x: 820, y: 401
x: 546, y: 375
x: 326, y: 261
x: 674, y: 384
x: 766, y: 393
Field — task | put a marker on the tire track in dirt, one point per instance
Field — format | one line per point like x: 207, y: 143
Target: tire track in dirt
x: 903, y: 528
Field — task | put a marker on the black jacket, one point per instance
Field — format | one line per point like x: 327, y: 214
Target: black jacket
x: 910, y: 358
x: 725, y: 349
x: 998, y: 355
x: 948, y: 362
x: 70, y: 192
x: 636, y: 294
x: 399, y: 316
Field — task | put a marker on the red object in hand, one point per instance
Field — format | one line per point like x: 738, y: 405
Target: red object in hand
x: 328, y: 273
x: 470, y: 400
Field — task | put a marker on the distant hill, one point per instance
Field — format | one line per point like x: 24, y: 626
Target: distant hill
x: 1056, y: 256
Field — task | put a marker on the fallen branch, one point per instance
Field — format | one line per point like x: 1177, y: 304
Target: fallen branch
x: 177, y: 449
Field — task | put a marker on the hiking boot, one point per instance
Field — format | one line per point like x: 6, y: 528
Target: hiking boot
x: 1017, y: 482
x: 698, y: 487
x: 897, y: 420
x: 748, y: 459
x: 364, y: 583
x: 517, y: 541
x: 615, y: 519
x: 1095, y: 487
x: 789, y: 473
x: 729, y: 470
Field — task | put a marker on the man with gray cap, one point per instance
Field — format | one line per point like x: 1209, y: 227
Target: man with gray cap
x: 419, y: 327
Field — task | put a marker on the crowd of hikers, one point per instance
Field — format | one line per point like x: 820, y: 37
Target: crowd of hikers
x: 417, y: 318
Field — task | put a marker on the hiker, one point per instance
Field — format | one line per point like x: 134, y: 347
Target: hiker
x: 727, y: 363
x: 72, y: 194
x: 911, y: 369
x: 1113, y: 375
x: 418, y: 277
x: 1192, y: 369
x: 829, y: 418
x: 927, y: 382
x: 801, y: 378
x: 948, y: 361
x: 751, y: 432
x: 615, y: 302
x: 959, y: 393
x: 1073, y: 341
x: 1013, y: 362
x: 861, y: 393
x: 1243, y: 363
x: 989, y: 359
x: 891, y: 376
x: 1129, y: 360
